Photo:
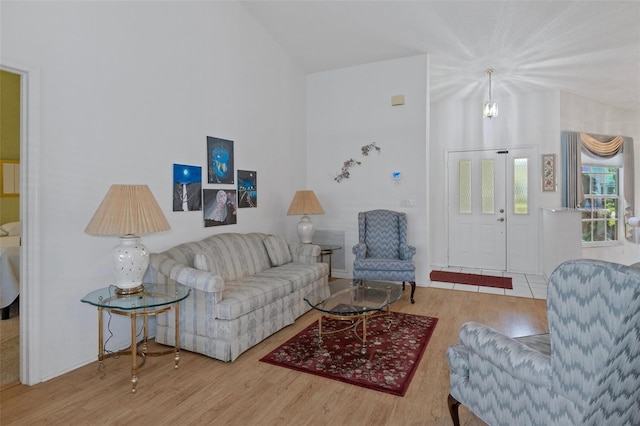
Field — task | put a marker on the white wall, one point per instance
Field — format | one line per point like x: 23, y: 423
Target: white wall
x: 351, y: 107
x: 128, y: 89
x: 584, y: 115
x: 525, y: 120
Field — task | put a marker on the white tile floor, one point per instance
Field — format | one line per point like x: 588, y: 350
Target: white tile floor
x: 524, y: 285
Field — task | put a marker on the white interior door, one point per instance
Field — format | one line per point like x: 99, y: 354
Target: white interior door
x: 477, y: 209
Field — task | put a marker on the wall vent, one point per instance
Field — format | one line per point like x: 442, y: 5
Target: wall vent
x: 337, y: 238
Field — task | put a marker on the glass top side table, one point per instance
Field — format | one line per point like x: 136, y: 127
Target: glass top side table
x: 153, y: 300
x: 327, y: 250
x: 153, y: 295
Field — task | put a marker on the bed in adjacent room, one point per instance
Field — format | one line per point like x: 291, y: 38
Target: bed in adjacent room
x: 9, y: 265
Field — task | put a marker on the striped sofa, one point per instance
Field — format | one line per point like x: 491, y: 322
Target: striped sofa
x: 244, y: 287
x: 586, y: 371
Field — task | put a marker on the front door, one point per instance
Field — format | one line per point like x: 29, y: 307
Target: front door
x: 477, y: 205
x: 492, y: 213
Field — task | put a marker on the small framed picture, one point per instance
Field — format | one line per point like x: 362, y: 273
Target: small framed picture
x: 247, y: 189
x: 548, y: 172
x: 220, y: 207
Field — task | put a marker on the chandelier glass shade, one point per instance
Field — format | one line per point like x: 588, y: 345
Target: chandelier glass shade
x: 490, y: 107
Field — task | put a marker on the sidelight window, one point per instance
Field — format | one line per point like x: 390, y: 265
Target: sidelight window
x: 520, y: 186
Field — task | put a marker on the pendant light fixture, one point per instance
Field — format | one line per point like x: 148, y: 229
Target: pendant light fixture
x: 490, y: 107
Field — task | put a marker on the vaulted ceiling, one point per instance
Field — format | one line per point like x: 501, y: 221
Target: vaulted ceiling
x: 588, y: 48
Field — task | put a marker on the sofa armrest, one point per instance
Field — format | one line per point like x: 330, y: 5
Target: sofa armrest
x: 163, y: 268
x: 304, y: 253
x: 406, y: 251
x: 507, y: 354
x: 360, y: 250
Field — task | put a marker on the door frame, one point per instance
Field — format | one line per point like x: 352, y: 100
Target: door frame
x: 30, y: 282
x: 534, y: 196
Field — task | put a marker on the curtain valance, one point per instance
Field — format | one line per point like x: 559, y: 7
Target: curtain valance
x: 607, y: 148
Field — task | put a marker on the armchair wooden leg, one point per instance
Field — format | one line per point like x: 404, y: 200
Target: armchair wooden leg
x: 453, y: 409
x: 413, y: 289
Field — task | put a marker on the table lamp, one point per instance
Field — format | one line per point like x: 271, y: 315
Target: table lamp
x: 305, y: 203
x: 128, y: 210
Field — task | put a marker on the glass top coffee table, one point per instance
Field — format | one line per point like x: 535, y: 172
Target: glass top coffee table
x: 355, y: 301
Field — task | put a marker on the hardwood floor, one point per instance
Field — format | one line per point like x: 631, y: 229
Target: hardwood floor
x: 249, y: 392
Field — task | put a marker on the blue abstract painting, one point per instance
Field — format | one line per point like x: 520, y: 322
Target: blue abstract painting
x: 220, y: 160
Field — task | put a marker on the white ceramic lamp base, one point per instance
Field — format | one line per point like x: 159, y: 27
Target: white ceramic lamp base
x: 305, y: 230
x: 130, y: 261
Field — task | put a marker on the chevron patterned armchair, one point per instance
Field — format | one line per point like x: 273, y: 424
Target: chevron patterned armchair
x: 382, y: 253
x: 586, y: 371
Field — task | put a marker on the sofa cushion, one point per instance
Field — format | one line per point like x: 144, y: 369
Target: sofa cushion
x: 384, y: 264
x: 278, y: 250
x: 298, y: 274
x: 206, y: 261
x: 237, y: 255
x: 249, y: 293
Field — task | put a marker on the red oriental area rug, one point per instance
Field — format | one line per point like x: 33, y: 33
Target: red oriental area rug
x: 473, y: 279
x: 395, y: 345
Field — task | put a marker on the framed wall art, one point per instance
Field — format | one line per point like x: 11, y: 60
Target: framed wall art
x: 187, y: 188
x: 549, y: 172
x: 220, y: 160
x: 247, y: 189
x: 220, y: 207
x: 9, y: 178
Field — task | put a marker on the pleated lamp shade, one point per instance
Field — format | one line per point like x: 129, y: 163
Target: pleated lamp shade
x: 305, y: 202
x: 128, y: 210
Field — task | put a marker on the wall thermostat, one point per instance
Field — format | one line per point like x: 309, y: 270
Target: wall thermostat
x: 396, y: 175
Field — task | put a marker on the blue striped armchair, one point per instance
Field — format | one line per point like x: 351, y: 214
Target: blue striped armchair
x: 382, y: 253
x: 586, y: 371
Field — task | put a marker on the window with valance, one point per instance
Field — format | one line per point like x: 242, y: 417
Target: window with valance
x: 575, y: 145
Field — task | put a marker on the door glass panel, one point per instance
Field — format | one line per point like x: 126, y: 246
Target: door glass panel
x: 520, y: 186
x: 487, y: 187
x: 464, y: 186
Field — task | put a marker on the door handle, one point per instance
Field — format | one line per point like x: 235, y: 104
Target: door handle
x: 501, y: 219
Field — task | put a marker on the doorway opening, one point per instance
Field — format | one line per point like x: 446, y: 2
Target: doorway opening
x: 10, y: 226
x: 29, y: 300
